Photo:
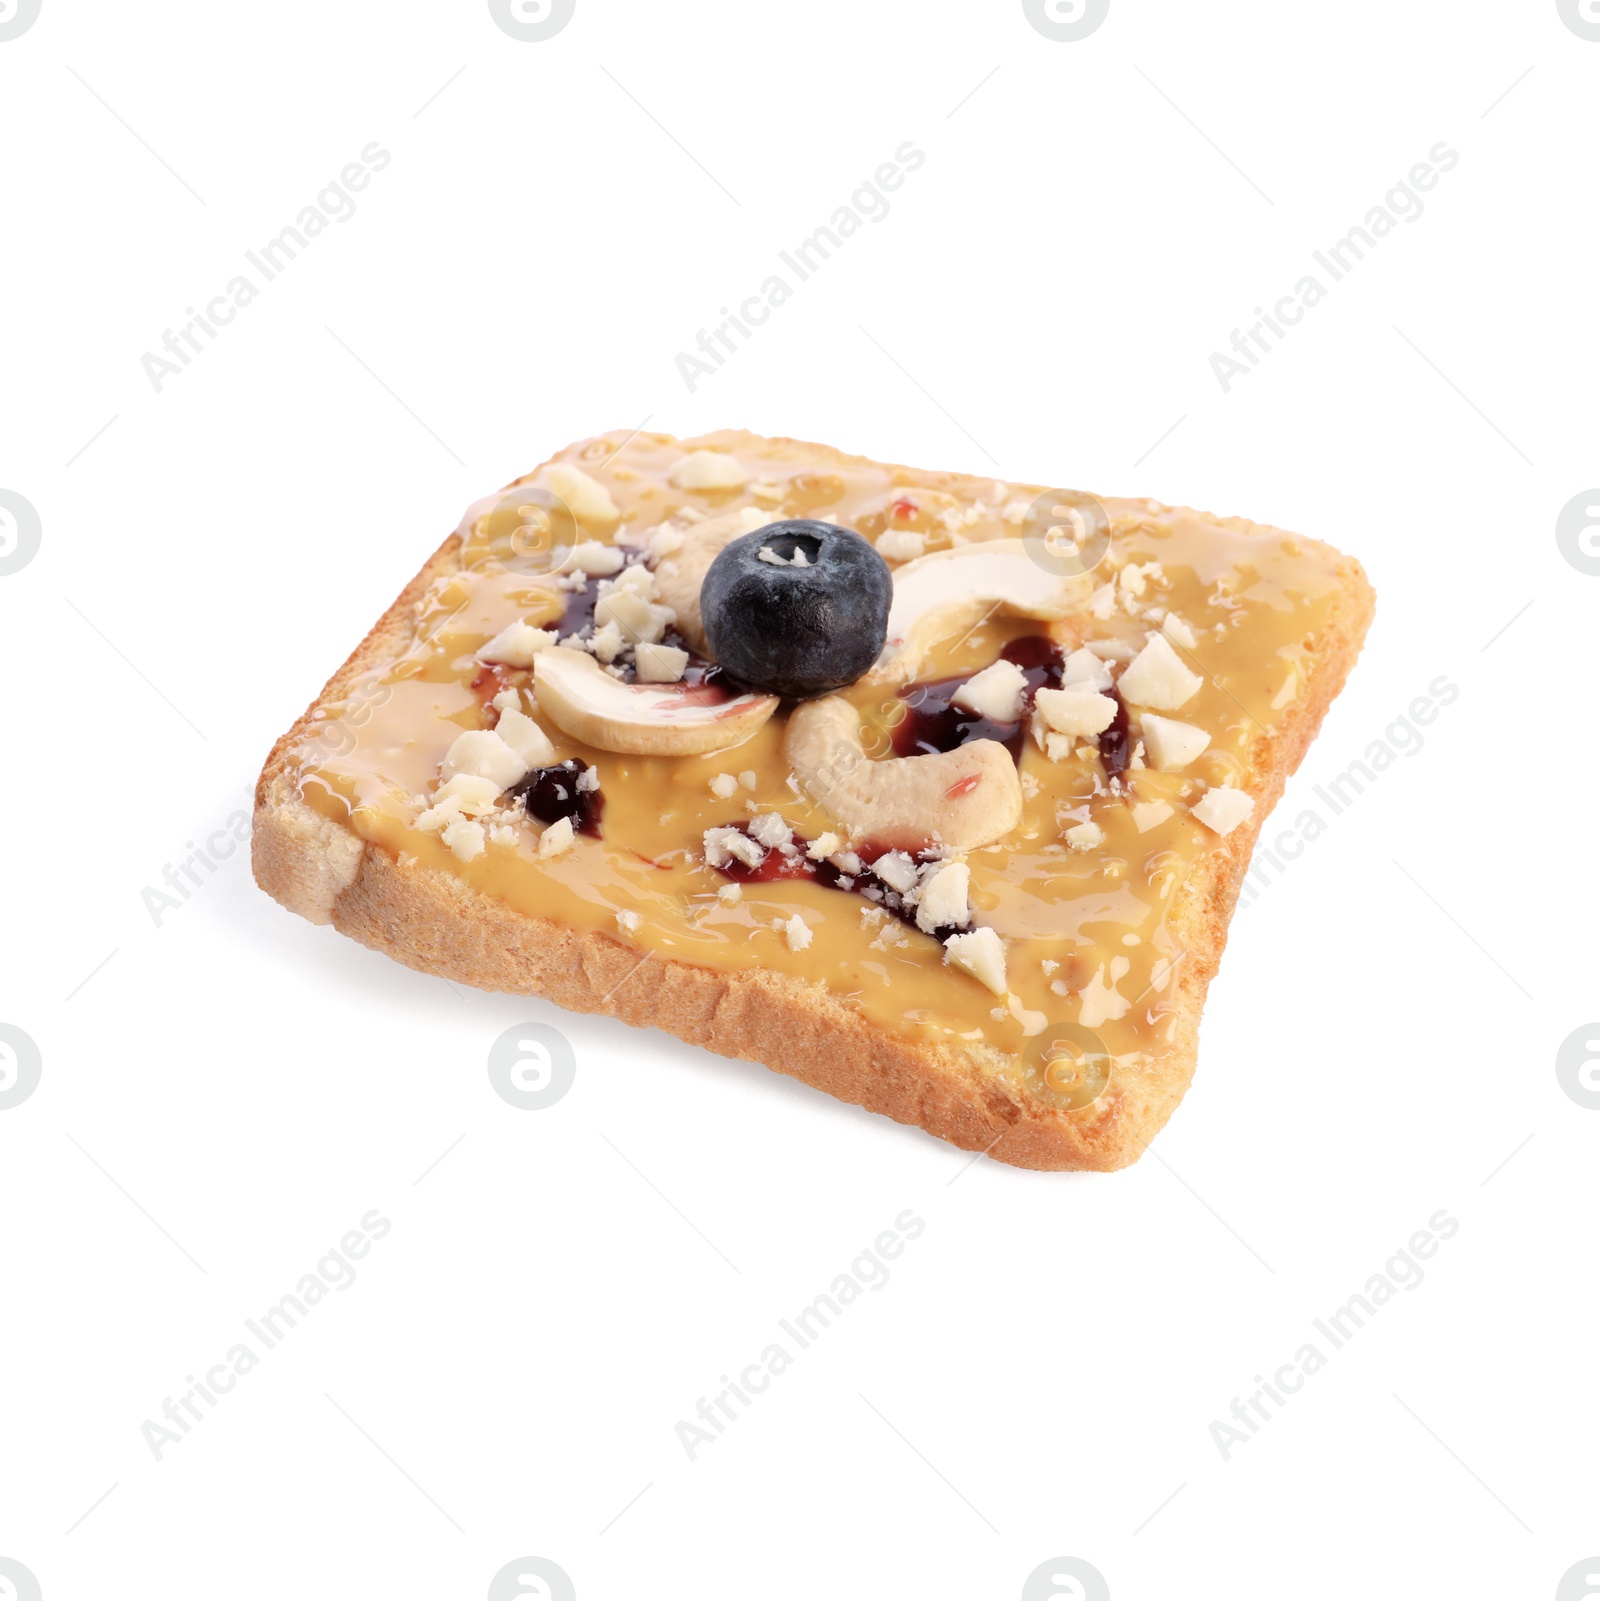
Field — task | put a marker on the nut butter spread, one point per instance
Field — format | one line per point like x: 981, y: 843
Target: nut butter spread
x: 1082, y: 911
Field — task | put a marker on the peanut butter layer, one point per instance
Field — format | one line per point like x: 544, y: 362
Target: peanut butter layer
x: 1086, y: 930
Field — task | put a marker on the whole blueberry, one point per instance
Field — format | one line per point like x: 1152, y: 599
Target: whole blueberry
x: 797, y: 608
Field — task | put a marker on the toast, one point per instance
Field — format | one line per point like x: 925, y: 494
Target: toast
x: 981, y: 887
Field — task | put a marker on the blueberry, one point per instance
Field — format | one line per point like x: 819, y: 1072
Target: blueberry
x: 797, y: 608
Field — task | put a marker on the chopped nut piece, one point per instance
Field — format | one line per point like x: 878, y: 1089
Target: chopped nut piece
x: 629, y: 922
x: 595, y: 559
x: 1177, y: 630
x: 666, y: 541
x: 901, y: 545
x: 771, y: 829
x: 464, y: 839
x: 1172, y: 745
x: 516, y: 645
x: 607, y: 643
x: 724, y: 785
x: 526, y: 738
x: 556, y: 838
x: 1080, y: 711
x: 723, y: 845
x: 942, y: 899
x: 1085, y: 836
x: 1157, y: 678
x: 1082, y: 666
x: 980, y: 953
x: 773, y: 559
x: 639, y: 621
x: 730, y: 893
x: 469, y: 794
x: 748, y: 778
x: 440, y: 816
x: 660, y: 664
x: 897, y: 870
x: 486, y: 755
x: 708, y: 469
x: 997, y: 692
x: 587, y: 500
x: 823, y: 846
x: 637, y: 578
x: 1147, y: 814
x: 1223, y: 809
x: 1111, y: 650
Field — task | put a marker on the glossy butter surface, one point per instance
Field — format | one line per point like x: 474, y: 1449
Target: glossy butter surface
x: 1254, y: 598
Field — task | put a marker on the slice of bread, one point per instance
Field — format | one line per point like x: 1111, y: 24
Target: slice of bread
x: 318, y: 850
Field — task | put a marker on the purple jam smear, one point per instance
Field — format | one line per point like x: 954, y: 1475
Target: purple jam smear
x: 577, y: 617
x: 933, y: 724
x: 551, y: 793
x: 779, y: 864
x: 1116, y: 748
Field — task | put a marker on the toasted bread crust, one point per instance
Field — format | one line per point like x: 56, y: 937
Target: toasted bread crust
x: 434, y: 922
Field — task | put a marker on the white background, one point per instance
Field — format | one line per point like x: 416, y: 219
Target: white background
x: 225, y: 1094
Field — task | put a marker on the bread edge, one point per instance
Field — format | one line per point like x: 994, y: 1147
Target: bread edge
x: 434, y: 922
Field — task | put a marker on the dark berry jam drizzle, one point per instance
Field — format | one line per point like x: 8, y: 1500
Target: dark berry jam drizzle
x: 933, y: 723
x: 794, y: 863
x: 1116, y: 747
x: 551, y: 793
